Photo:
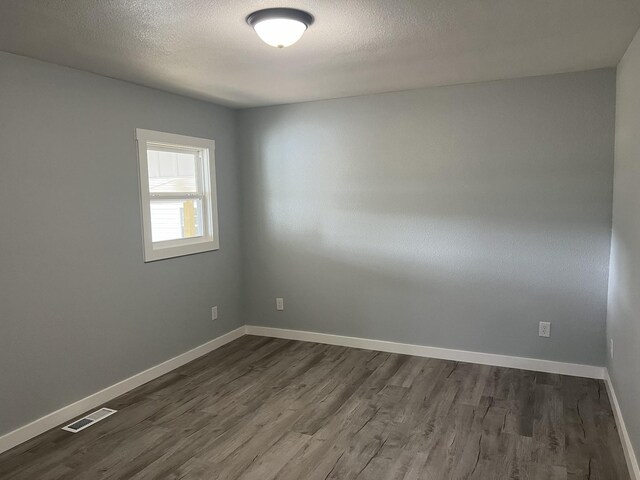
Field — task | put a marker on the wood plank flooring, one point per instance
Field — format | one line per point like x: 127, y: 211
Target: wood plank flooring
x: 262, y: 408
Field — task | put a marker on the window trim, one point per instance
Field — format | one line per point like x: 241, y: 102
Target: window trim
x: 206, y: 191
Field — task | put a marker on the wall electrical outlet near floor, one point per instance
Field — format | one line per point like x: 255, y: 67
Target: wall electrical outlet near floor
x: 544, y: 329
x: 214, y: 313
x: 279, y: 303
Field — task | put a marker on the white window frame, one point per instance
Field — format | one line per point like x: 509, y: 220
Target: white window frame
x: 206, y: 175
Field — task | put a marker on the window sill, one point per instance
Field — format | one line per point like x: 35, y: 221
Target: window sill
x: 162, y: 253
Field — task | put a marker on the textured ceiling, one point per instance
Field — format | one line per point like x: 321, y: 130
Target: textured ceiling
x: 204, y: 49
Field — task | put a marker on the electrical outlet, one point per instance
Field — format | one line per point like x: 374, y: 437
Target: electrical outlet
x: 611, y: 349
x: 214, y: 313
x: 279, y: 303
x: 544, y: 329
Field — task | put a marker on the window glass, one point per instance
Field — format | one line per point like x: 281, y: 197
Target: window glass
x: 172, y: 171
x: 172, y: 220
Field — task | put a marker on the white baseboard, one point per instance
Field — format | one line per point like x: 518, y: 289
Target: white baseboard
x: 629, y: 454
x: 523, y: 363
x: 69, y: 412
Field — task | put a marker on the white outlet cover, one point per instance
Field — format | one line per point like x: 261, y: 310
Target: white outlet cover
x: 279, y: 303
x: 611, y: 341
x: 214, y: 313
x: 544, y: 329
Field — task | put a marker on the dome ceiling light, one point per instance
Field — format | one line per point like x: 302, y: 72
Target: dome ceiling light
x: 280, y: 27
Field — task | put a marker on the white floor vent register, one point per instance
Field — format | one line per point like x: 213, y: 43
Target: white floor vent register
x: 89, y: 420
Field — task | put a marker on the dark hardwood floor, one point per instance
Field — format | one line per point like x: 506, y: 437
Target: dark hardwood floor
x: 262, y: 408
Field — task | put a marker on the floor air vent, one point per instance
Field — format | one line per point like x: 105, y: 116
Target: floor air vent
x: 89, y: 420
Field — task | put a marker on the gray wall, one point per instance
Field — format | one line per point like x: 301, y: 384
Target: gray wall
x: 455, y: 216
x: 79, y: 310
x: 623, y: 320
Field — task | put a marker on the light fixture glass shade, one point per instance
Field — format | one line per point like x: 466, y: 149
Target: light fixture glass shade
x: 280, y: 32
x: 280, y: 27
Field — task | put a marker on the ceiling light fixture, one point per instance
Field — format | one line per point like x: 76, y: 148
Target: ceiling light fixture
x: 280, y: 27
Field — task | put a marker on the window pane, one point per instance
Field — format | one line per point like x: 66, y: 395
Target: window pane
x: 176, y: 219
x: 172, y: 171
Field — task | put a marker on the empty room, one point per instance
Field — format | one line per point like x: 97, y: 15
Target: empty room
x: 320, y: 240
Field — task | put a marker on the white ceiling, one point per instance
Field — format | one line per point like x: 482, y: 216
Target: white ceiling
x: 204, y: 48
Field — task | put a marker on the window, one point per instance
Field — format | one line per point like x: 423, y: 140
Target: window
x: 177, y: 194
